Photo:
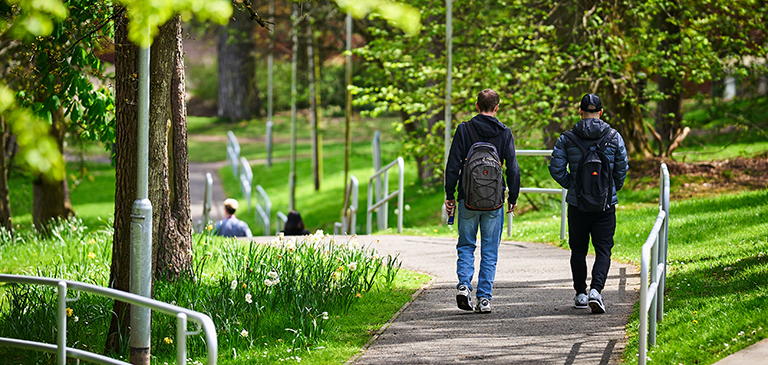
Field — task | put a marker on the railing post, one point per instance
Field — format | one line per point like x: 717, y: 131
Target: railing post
x: 563, y: 213
x: 643, y: 310
x: 368, y: 213
x: 208, y: 200
x: 181, y: 339
x: 401, y: 184
x: 663, y: 237
x: 382, y: 213
x: 654, y: 279
x: 280, y: 222
x: 61, y: 318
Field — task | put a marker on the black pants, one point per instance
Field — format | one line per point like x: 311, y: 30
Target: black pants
x: 601, y: 226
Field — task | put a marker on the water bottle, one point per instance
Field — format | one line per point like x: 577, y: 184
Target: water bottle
x: 451, y: 215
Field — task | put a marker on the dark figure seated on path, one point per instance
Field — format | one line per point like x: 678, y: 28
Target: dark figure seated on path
x: 231, y: 226
x: 294, y: 225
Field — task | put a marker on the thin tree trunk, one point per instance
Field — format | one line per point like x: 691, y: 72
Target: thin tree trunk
x: 238, y: 92
x: 313, y: 105
x: 51, y: 198
x: 5, y: 203
x: 668, y: 113
x: 176, y: 235
x: 172, y: 231
x: 126, y: 130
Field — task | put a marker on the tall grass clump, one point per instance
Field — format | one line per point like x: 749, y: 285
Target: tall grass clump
x: 281, y: 293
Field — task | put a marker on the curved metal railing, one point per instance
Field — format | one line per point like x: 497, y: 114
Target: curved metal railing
x: 62, y: 351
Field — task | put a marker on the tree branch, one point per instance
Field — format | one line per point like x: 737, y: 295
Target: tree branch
x: 255, y: 16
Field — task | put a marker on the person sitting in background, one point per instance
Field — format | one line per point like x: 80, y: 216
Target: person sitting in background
x: 294, y: 225
x: 231, y: 226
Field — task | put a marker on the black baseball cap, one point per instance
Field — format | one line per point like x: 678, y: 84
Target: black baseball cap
x: 591, y: 103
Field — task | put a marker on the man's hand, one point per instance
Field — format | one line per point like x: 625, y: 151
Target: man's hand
x: 450, y: 205
x: 511, y: 208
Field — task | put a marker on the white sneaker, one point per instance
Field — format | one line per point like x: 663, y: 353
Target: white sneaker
x: 463, y: 298
x: 596, y: 302
x: 580, y: 301
x: 483, y: 305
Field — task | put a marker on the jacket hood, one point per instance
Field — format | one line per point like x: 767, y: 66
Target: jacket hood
x: 486, y: 126
x: 591, y: 128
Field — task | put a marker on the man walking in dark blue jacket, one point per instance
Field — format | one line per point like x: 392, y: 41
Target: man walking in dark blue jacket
x: 490, y: 222
x: 600, y: 225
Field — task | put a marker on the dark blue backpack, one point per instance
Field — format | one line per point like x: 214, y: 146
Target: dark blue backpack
x: 593, y: 181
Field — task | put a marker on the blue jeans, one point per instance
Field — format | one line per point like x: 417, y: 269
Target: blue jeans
x: 490, y: 224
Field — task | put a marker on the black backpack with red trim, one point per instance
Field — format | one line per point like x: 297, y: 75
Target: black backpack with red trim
x: 593, y: 181
x: 482, y: 178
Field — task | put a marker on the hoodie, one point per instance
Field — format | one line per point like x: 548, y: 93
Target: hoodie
x: 488, y: 129
x: 566, y: 156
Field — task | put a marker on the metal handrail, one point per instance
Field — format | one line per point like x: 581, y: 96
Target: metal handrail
x: 654, y: 250
x: 264, y: 212
x: 246, y: 180
x: 233, y: 152
x: 563, y: 193
x: 182, y: 314
x: 349, y: 211
x: 208, y: 199
x: 280, y: 221
x: 399, y: 193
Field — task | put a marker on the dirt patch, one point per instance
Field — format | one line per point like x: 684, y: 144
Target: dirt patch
x: 705, y: 178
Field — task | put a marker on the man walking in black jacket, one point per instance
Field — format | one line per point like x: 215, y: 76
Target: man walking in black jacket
x: 601, y: 225
x: 490, y: 222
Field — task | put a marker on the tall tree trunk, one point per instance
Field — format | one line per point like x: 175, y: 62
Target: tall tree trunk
x: 126, y: 130
x: 668, y: 112
x: 169, y: 176
x: 51, y: 198
x: 238, y: 92
x: 5, y: 202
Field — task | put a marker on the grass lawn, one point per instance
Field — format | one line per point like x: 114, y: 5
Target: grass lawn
x: 718, y: 272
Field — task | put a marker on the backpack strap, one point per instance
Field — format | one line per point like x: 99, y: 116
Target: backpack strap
x: 472, y: 134
x: 601, y: 144
x: 607, y: 139
x: 576, y: 140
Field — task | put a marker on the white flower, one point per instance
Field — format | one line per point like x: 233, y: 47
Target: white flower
x: 272, y: 275
x: 352, y: 266
x: 268, y: 282
x: 353, y: 241
x: 78, y: 318
x: 325, y: 315
x: 248, y: 298
x: 290, y: 246
x: 189, y: 252
x: 233, y: 285
x: 407, y: 207
x: 244, y: 333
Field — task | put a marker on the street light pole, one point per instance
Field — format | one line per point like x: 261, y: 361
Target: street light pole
x: 141, y: 226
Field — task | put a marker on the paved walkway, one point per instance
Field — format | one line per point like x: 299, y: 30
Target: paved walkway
x: 533, y: 321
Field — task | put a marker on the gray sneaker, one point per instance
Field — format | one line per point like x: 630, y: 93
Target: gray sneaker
x: 463, y: 298
x: 483, y: 305
x: 580, y: 301
x: 596, y: 302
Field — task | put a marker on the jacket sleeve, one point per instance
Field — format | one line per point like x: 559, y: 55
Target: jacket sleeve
x: 455, y: 162
x: 513, y: 171
x: 620, y: 163
x: 558, y: 164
